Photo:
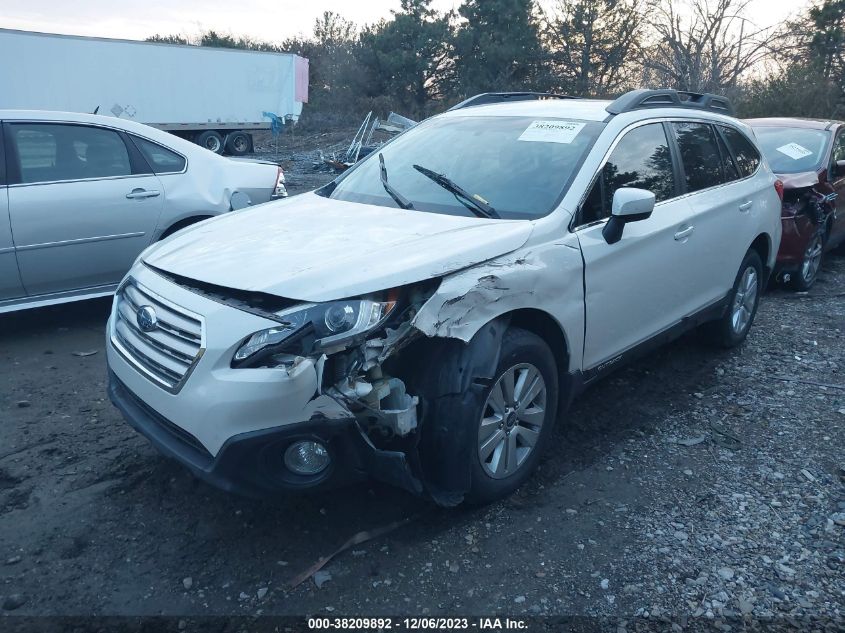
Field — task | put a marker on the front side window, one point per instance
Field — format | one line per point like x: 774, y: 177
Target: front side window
x: 792, y: 150
x: 747, y: 156
x: 49, y: 152
x: 641, y: 159
x: 520, y: 166
x: 161, y: 159
x: 699, y: 155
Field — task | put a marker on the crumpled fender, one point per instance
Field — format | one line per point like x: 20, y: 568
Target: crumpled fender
x: 452, y: 399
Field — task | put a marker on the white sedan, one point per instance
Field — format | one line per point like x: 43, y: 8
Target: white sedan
x: 82, y: 195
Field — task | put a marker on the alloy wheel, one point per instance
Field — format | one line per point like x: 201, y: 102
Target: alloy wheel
x: 511, y: 419
x: 812, y: 259
x: 744, y: 300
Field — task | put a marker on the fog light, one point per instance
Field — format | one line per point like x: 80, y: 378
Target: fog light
x: 307, y: 457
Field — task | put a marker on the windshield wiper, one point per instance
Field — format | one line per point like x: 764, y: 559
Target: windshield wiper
x: 401, y: 200
x: 472, y: 202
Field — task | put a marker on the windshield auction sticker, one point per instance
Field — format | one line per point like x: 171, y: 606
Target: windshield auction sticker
x: 551, y: 131
x: 794, y: 151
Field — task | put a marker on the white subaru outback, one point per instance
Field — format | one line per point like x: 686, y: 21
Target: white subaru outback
x: 426, y: 318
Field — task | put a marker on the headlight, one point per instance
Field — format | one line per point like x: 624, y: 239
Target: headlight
x: 333, y: 323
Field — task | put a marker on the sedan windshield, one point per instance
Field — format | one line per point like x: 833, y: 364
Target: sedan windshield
x: 519, y: 167
x: 791, y: 150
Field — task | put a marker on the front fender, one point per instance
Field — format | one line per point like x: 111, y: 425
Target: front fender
x: 548, y: 278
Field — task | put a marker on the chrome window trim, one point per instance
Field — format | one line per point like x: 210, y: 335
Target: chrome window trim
x: 102, y: 126
x: 573, y: 228
x: 128, y: 357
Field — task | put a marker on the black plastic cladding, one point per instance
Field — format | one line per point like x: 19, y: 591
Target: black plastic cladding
x: 643, y: 99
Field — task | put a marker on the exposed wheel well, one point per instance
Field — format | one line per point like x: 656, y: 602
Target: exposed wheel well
x: 761, y: 245
x: 544, y: 326
x: 181, y: 224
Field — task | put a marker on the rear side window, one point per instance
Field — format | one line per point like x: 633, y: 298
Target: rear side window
x: 641, y: 159
x: 48, y: 152
x: 161, y: 159
x: 747, y: 156
x: 699, y: 155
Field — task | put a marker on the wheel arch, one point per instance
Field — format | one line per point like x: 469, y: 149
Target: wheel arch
x: 549, y: 329
x: 763, y: 245
x: 182, y: 223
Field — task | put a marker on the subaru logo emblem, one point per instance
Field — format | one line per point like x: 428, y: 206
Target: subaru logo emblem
x: 146, y: 318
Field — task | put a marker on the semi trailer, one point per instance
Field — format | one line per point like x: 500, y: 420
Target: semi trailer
x: 215, y: 97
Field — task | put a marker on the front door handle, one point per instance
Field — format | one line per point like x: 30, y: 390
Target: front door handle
x: 136, y: 194
x: 684, y: 233
x: 745, y: 206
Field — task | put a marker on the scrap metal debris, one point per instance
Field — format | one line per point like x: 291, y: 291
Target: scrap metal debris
x: 362, y: 143
x: 357, y: 539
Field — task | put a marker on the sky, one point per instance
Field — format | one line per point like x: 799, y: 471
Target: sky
x: 268, y: 20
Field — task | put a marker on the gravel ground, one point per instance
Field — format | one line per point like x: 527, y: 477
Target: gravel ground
x: 692, y: 483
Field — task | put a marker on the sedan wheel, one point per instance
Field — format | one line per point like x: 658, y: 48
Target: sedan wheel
x: 812, y: 260
x: 511, y: 420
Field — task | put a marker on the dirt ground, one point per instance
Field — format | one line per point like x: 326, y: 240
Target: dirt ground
x: 693, y: 483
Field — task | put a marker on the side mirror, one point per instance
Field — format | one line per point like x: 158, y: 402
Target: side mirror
x: 629, y: 205
x: 839, y: 167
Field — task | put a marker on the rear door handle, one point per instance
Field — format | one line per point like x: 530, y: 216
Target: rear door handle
x: 745, y: 206
x: 136, y: 194
x: 684, y: 233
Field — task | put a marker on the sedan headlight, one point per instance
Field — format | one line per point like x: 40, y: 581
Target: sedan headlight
x: 334, y: 323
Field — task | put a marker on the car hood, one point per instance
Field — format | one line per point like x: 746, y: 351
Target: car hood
x: 312, y: 248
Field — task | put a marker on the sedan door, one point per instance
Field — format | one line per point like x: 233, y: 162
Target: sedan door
x: 638, y: 286
x: 10, y: 280
x: 82, y: 202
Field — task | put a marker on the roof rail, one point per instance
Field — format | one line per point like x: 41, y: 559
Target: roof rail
x: 503, y: 97
x: 640, y: 99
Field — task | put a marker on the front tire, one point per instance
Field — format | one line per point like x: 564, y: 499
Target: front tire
x: 732, y: 328
x: 515, y: 421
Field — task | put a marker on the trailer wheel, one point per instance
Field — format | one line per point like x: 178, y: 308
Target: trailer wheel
x: 210, y: 140
x: 237, y: 143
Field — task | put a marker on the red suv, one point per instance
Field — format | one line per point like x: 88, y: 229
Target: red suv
x: 809, y: 157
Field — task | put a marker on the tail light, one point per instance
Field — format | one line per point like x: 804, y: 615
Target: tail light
x: 280, y: 191
x: 779, y: 189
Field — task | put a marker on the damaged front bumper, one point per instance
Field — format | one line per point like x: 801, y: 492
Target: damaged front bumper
x: 232, y: 426
x: 251, y: 463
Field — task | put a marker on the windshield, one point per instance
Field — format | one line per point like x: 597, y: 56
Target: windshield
x: 791, y: 150
x: 519, y: 166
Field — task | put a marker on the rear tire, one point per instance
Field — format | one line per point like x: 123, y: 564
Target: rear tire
x: 237, y: 143
x: 210, y: 140
x: 731, y: 329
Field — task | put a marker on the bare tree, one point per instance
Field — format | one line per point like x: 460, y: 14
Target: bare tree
x: 592, y: 43
x: 704, y: 45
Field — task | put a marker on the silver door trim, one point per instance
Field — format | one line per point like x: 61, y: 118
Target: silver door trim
x: 81, y: 240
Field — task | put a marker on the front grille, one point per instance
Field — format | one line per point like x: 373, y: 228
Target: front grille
x: 167, y: 353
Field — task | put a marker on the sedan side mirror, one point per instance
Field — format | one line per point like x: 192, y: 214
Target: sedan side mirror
x: 629, y: 205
